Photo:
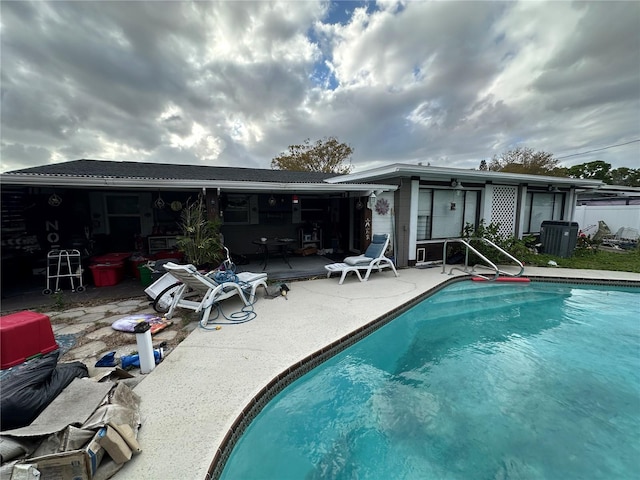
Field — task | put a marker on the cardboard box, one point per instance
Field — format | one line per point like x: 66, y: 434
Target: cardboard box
x: 73, y: 465
x: 114, y: 444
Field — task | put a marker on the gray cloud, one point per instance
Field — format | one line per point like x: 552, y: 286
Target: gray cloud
x: 235, y: 83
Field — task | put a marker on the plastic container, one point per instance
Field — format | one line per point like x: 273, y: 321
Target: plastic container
x: 145, y: 347
x: 157, y: 287
x: 135, y: 265
x: 24, y: 335
x: 145, y: 275
x: 110, y: 258
x: 168, y: 254
x: 106, y: 275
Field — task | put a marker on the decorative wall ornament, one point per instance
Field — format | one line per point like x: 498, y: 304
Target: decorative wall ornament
x: 176, y: 206
x: 359, y: 205
x: 159, y: 202
x: 55, y: 200
x: 382, y: 206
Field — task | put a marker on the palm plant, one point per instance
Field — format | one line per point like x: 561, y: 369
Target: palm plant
x: 200, y: 240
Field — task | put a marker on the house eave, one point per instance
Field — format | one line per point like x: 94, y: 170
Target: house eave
x: 174, y: 184
x: 477, y: 176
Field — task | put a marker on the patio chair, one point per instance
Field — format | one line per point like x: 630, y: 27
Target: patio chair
x: 211, y: 289
x: 372, y: 259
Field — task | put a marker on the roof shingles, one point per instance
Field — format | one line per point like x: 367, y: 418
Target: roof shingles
x: 112, y: 169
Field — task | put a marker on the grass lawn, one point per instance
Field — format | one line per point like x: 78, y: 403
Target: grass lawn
x: 622, y: 261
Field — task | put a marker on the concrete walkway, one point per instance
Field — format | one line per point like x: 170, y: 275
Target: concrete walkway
x: 93, y: 324
x: 190, y: 401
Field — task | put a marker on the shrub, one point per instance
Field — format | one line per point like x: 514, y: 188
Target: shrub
x: 200, y: 240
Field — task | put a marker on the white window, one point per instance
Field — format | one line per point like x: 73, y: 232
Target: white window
x: 539, y: 207
x: 444, y: 213
x: 237, y: 209
x: 424, y: 214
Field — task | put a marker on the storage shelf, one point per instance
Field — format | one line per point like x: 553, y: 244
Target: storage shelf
x: 159, y: 243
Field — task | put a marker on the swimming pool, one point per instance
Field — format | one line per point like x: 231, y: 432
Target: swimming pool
x: 480, y: 380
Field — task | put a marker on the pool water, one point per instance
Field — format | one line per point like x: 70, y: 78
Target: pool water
x: 482, y: 381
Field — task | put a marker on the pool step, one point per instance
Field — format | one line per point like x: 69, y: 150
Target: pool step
x: 482, y: 292
x: 469, y: 306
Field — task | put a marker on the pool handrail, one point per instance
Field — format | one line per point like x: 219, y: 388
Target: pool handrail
x: 472, y: 271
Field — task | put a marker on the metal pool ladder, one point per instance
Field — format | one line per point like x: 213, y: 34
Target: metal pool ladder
x: 472, y: 271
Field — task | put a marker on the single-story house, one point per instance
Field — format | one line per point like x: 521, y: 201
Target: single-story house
x: 115, y: 206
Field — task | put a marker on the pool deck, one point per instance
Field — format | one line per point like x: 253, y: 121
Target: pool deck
x: 192, y: 399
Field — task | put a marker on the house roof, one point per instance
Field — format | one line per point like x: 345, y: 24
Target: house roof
x: 425, y: 172
x: 114, y: 169
x: 609, y: 191
x: 114, y: 174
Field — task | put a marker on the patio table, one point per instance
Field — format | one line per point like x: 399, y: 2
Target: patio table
x: 274, y: 245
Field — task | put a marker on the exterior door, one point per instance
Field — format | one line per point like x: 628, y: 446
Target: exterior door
x: 124, y: 221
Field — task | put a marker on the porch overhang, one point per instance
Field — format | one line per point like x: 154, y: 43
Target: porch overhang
x: 352, y: 189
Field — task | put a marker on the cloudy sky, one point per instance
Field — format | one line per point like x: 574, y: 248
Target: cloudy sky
x: 235, y: 83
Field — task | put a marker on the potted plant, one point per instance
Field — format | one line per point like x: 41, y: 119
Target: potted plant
x: 200, y: 239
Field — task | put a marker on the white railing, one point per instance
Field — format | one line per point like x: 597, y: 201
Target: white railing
x: 496, y: 272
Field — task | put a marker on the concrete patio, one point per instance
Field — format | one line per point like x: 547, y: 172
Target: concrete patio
x: 192, y: 399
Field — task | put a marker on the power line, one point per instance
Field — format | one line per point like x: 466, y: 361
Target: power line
x: 598, y: 149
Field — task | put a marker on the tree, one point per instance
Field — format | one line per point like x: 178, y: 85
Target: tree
x: 628, y: 177
x: 524, y: 160
x: 600, y: 170
x: 326, y: 155
x: 597, y: 170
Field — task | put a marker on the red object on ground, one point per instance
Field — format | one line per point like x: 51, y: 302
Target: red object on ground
x: 168, y: 254
x: 134, y: 264
x: 110, y: 258
x: 504, y: 279
x: 106, y: 275
x: 108, y: 269
x: 24, y: 335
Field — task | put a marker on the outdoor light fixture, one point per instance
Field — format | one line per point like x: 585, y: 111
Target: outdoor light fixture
x: 272, y: 201
x: 454, y: 183
x: 372, y: 199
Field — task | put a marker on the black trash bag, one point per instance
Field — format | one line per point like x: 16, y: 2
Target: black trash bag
x: 27, y: 391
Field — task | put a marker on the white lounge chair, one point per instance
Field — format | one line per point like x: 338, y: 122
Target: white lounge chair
x: 211, y: 290
x: 372, y: 259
